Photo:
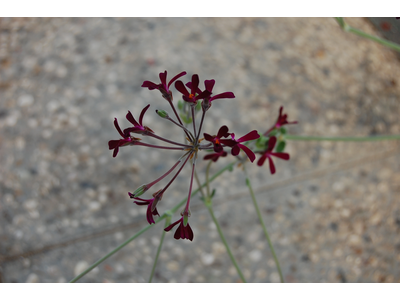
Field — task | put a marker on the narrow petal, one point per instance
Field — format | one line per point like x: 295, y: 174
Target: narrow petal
x: 284, y: 156
x: 131, y: 119
x: 113, y: 144
x: 181, y: 88
x: 176, y: 77
x: 142, y: 114
x: 209, y: 84
x: 208, y: 137
x: 223, y: 95
x: 172, y: 225
x: 150, y: 85
x: 195, y: 83
x: 228, y: 142
x: 115, y: 152
x: 271, y: 143
x: 271, y: 165
x: 248, y: 152
x: 261, y: 160
x: 252, y: 135
x: 117, y: 127
x: 235, y: 150
x: 163, y: 78
x: 223, y: 131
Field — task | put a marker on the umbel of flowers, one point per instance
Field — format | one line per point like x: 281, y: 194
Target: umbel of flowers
x: 214, y: 145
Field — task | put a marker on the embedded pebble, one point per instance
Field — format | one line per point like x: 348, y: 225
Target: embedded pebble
x: 80, y: 267
x: 32, y: 278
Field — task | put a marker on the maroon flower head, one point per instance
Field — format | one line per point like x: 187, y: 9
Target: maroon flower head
x: 236, y: 144
x: 182, y: 232
x: 215, y: 139
x: 268, y: 153
x: 151, y: 205
x: 214, y: 156
x: 138, y: 126
x: 194, y: 89
x: 125, y: 141
x: 163, y: 87
x: 209, y: 84
x: 282, y: 120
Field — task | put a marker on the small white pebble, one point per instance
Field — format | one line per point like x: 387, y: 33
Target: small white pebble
x: 32, y: 278
x: 25, y: 100
x: 207, y: 259
x: 80, y: 267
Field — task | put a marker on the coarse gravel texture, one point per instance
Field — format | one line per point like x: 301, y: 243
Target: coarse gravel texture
x: 332, y: 210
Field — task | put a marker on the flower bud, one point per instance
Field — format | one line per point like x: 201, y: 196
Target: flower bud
x: 162, y: 113
x: 139, y: 191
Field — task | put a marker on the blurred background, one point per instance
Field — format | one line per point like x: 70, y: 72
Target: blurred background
x: 332, y: 210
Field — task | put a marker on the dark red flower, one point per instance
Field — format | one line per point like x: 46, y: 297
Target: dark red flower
x: 138, y: 126
x: 214, y: 156
x: 151, y: 205
x: 209, y: 84
x: 182, y: 232
x: 163, y: 87
x: 268, y: 153
x: 282, y: 120
x: 215, y: 139
x: 236, y: 144
x: 195, y: 93
x: 125, y: 141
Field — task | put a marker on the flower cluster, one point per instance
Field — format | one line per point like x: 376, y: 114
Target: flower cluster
x: 194, y: 98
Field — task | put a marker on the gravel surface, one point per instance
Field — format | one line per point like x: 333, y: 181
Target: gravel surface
x: 332, y: 210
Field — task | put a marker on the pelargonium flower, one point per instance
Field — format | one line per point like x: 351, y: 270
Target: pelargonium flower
x: 194, y: 89
x: 268, y: 153
x: 215, y: 139
x: 125, y: 141
x: 151, y: 205
x: 236, y: 144
x: 138, y: 126
x: 214, y: 156
x: 163, y: 87
x: 182, y: 232
x: 282, y: 120
x: 209, y: 84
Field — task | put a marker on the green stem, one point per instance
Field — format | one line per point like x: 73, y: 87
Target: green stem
x: 343, y: 139
x: 167, y: 222
x: 225, y: 242
x: 167, y: 213
x: 271, y: 247
x: 384, y: 42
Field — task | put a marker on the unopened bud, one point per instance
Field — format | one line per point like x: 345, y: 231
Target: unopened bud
x: 139, y: 191
x: 162, y: 113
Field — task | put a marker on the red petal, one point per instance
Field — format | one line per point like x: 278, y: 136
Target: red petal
x: 131, y: 119
x: 284, y: 156
x: 248, y: 152
x: 142, y: 114
x: 252, y: 135
x: 181, y: 88
x: 176, y: 77
x: 271, y: 165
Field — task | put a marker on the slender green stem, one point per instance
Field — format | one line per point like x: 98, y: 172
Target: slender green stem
x: 167, y: 222
x: 199, y: 184
x: 167, y: 213
x: 343, y: 139
x: 225, y: 242
x: 358, y: 32
x: 271, y: 247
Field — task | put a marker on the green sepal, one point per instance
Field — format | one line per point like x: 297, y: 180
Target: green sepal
x: 261, y: 142
x: 198, y: 105
x: 140, y: 190
x: 281, y: 146
x: 185, y: 220
x: 282, y: 130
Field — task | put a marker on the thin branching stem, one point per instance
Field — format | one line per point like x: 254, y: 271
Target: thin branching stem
x: 167, y: 222
x: 167, y: 213
x: 342, y: 139
x: 271, y: 247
